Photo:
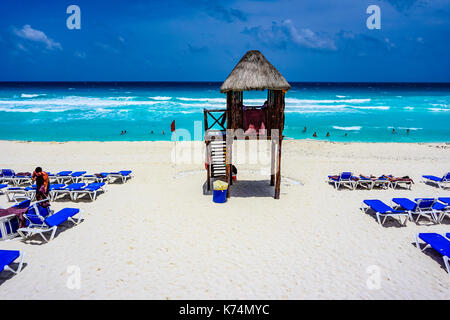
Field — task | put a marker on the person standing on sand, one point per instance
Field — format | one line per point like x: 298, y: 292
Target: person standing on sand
x: 42, y: 185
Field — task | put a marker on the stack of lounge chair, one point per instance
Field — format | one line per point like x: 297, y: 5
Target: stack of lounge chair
x: 432, y: 209
x: 347, y: 179
x: 8, y: 176
x: 75, y: 190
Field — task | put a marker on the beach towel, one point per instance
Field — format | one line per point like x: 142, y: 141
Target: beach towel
x: 41, y: 195
x: 18, y: 212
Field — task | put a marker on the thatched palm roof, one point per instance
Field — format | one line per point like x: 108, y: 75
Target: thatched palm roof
x: 254, y: 72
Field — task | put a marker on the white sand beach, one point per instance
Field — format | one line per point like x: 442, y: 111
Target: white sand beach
x: 159, y: 237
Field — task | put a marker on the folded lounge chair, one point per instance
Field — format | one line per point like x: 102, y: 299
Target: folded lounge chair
x: 383, y: 210
x: 38, y: 223
x: 123, y: 175
x: 440, y: 182
x: 91, y: 189
x: 437, y: 242
x: 344, y: 179
x: 7, y: 257
x: 422, y: 207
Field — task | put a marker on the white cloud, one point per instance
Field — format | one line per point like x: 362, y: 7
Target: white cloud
x: 285, y: 33
x: 27, y: 32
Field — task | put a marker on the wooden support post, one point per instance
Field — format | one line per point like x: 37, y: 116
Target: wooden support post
x: 228, y: 162
x: 278, y: 177
x: 272, y: 161
x: 208, y: 172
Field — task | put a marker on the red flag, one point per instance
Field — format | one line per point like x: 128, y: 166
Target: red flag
x: 172, y: 126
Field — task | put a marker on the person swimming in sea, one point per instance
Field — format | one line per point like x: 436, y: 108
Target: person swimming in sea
x: 393, y: 131
x: 328, y: 134
x: 407, y: 131
x: 163, y: 132
x: 304, y: 129
x: 315, y: 135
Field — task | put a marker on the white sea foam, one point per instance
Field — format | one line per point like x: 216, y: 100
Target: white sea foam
x: 408, y: 108
x: 160, y: 98
x: 372, y: 108
x: 221, y: 100
x: 32, y: 95
x: 412, y: 129
x: 354, y: 128
x: 337, y: 96
x: 438, y: 109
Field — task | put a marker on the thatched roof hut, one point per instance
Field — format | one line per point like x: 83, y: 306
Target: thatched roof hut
x: 254, y: 72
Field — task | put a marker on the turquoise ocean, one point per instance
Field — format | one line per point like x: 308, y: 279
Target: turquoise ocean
x: 363, y: 112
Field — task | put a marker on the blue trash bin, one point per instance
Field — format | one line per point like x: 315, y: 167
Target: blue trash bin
x: 219, y: 196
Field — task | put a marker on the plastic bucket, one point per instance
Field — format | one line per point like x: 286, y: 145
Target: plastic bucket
x: 219, y: 196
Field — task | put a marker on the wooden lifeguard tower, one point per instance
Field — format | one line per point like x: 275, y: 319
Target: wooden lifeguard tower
x: 253, y: 72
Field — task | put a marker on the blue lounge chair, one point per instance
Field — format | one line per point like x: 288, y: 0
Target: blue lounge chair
x: 383, y: 210
x: 63, y: 190
x: 9, y: 224
x: 445, y: 212
x: 17, y: 194
x: 440, y: 182
x: 99, y: 178
x: 40, y: 220
x: 3, y: 188
x: 91, y: 189
x: 124, y: 175
x: 77, y: 176
x: 63, y: 176
x: 344, y: 179
x: 7, y: 176
x: 422, y: 207
x: 437, y: 242
x: 7, y: 257
x: 21, y: 179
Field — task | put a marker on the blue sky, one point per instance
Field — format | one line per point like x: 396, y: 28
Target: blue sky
x: 197, y: 40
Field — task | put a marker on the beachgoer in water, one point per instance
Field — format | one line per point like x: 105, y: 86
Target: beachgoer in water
x: 304, y: 129
x: 407, y: 131
x: 121, y: 133
x: 328, y: 134
x: 314, y: 135
x: 393, y: 131
x: 151, y: 132
x: 125, y: 131
x: 163, y: 132
x: 42, y: 185
x: 345, y: 135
